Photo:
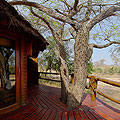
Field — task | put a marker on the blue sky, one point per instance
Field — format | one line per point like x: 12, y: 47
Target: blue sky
x: 104, y: 53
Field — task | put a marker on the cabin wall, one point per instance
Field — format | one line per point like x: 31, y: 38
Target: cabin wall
x: 32, y: 67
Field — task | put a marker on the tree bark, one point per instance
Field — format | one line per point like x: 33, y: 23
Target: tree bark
x: 63, y: 70
x: 82, y: 54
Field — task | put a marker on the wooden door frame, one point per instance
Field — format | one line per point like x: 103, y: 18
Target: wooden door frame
x: 18, y: 74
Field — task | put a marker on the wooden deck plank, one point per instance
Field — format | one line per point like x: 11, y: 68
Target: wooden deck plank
x: 59, y: 115
x: 34, y: 114
x: 49, y: 102
x: 52, y: 115
x: 40, y: 115
x: 87, y: 112
x: 44, y: 104
x: 46, y: 115
x: 82, y: 114
x: 106, y: 110
x: 58, y: 104
x: 19, y: 114
x: 64, y: 115
x: 71, y: 115
x: 77, y: 115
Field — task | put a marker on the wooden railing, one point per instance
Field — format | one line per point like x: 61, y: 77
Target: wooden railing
x: 47, y: 73
x: 93, y: 83
x: 93, y: 87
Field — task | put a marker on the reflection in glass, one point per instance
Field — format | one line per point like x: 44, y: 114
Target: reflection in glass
x: 7, y: 76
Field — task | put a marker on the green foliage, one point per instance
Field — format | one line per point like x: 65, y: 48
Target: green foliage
x: 98, y: 70
x: 111, y: 71
x: 48, y: 58
x: 50, y: 61
x: 90, y: 67
x: 119, y: 70
x: 88, y: 92
x: 11, y: 69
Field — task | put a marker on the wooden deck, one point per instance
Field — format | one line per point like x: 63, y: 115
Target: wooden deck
x: 44, y: 104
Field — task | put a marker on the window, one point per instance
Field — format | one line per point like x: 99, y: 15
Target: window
x: 7, y: 73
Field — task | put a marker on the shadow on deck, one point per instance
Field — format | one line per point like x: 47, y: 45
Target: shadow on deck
x: 44, y: 104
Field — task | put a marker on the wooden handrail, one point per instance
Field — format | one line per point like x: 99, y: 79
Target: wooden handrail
x: 48, y: 73
x: 94, y: 90
x: 113, y: 83
x: 50, y: 79
x: 108, y: 97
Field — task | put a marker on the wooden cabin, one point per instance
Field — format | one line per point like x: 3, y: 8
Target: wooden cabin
x: 19, y: 44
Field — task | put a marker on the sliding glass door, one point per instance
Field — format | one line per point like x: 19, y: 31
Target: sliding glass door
x: 7, y: 73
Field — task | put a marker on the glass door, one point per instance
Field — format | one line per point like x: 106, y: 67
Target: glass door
x: 7, y: 73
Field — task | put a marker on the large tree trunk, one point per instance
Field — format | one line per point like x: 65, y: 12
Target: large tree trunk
x: 71, y: 93
x: 82, y: 54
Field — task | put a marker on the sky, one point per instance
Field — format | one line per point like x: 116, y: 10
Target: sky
x: 104, y: 53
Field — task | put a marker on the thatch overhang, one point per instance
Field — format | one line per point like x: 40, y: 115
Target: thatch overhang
x: 17, y: 22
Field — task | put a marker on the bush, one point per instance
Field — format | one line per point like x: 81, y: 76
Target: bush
x: 119, y: 70
x: 98, y: 70
x: 12, y: 69
x: 90, y: 68
x: 111, y: 71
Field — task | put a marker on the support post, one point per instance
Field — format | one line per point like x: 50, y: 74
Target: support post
x: 93, y: 86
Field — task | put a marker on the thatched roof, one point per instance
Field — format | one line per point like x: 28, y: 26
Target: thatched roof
x: 18, y: 22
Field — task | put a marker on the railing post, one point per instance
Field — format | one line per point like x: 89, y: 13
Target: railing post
x: 93, y: 86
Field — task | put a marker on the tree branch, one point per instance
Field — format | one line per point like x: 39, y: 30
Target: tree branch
x: 106, y: 45
x: 68, y: 6
x: 89, y: 9
x: 72, y: 32
x: 46, y: 10
x: 44, y: 20
x: 103, y: 15
x: 75, y: 4
x: 74, y: 12
x: 61, y: 12
x: 68, y: 39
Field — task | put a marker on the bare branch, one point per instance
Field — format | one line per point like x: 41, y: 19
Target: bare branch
x: 106, y: 45
x: 87, y: 15
x: 103, y: 15
x: 75, y: 4
x: 72, y: 32
x: 61, y: 12
x: 68, y: 39
x: 44, y: 20
x: 74, y: 12
x: 68, y: 6
x: 118, y: 3
x: 46, y: 10
x: 59, y: 33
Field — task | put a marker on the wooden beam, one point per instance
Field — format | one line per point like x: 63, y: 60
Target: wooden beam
x: 5, y: 42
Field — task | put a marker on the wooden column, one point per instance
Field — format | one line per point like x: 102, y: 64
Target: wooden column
x: 93, y: 86
x: 23, y: 71
x: 36, y: 69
